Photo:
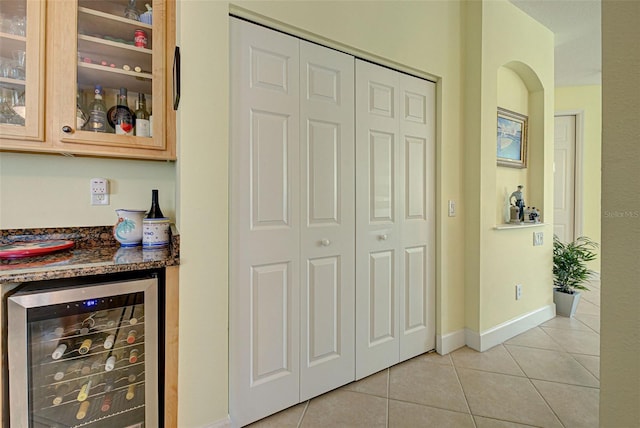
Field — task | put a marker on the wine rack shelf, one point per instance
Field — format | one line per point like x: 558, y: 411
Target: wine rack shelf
x: 90, y: 366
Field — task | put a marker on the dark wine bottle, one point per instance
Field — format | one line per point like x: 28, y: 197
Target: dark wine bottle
x: 154, y: 211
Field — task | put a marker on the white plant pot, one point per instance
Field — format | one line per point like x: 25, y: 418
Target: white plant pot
x: 566, y: 304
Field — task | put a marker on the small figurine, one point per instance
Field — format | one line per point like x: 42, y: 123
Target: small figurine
x: 519, y: 201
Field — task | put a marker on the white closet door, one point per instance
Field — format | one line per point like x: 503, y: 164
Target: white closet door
x: 263, y: 222
x: 377, y: 228
x: 417, y: 214
x: 327, y: 354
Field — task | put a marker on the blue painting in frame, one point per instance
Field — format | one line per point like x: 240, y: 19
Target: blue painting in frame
x: 512, y: 139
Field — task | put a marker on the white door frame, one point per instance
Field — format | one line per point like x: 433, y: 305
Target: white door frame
x: 579, y: 169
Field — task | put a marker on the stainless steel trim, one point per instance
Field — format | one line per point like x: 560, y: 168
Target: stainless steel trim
x: 19, y: 303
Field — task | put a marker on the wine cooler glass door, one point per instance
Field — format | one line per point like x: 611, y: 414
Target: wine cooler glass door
x: 84, y: 356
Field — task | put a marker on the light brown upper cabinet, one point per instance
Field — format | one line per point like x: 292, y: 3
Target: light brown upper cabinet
x: 93, y: 43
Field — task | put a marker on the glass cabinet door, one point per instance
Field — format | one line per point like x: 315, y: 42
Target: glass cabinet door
x: 21, y: 69
x: 113, y: 88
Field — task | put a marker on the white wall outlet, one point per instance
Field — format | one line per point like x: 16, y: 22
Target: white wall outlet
x: 452, y: 208
x: 518, y: 291
x: 538, y: 238
x: 99, y: 191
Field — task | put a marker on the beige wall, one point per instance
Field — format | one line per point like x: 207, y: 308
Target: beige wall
x: 420, y: 37
x: 620, y: 317
x: 53, y: 190
x: 497, y: 260
x: 426, y: 38
x: 588, y: 101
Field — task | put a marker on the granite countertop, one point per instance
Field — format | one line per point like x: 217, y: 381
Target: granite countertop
x: 95, y: 252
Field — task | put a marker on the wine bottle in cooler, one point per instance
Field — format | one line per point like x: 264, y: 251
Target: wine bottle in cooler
x: 66, y: 371
x: 64, y: 347
x: 61, y: 390
x: 97, y: 112
x: 142, y: 118
x: 124, y: 119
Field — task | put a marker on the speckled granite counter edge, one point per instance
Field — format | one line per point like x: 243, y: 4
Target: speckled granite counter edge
x: 85, y: 238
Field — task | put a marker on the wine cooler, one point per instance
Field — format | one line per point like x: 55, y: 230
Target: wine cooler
x: 84, y: 355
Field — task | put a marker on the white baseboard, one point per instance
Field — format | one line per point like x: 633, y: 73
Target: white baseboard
x: 222, y: 423
x: 449, y: 342
x: 505, y: 331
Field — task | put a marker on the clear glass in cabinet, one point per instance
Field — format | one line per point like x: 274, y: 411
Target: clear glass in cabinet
x: 21, y: 77
x: 115, y: 50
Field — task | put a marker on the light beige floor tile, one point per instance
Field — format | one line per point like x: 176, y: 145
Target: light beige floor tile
x: 287, y: 418
x: 434, y: 357
x: 576, y: 341
x: 557, y: 366
x: 342, y: 408
x: 587, y: 308
x: 496, y: 360
x: 591, y: 321
x: 565, y: 323
x: 421, y: 382
x: 376, y: 384
x: 576, y: 406
x: 592, y: 296
x: 534, y: 338
x: 590, y: 362
x: 482, y: 422
x: 403, y: 415
x: 505, y: 397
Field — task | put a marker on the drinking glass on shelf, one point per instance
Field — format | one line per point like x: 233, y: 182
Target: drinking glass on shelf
x: 19, y: 58
x: 18, y: 26
x: 5, y: 67
x: 7, y: 114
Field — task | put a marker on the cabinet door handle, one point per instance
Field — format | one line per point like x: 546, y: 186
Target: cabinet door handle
x: 383, y: 237
x: 325, y: 242
x: 67, y: 129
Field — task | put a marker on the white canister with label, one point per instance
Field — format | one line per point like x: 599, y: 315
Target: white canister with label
x: 155, y: 232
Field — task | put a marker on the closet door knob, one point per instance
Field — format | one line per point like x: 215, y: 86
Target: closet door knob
x: 383, y: 237
x: 325, y: 242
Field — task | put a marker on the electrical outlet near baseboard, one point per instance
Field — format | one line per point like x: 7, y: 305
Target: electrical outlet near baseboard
x: 518, y: 291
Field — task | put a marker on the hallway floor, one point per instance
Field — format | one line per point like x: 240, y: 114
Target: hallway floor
x: 545, y: 377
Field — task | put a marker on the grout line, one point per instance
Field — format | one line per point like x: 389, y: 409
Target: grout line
x: 304, y: 412
x: 464, y: 394
x: 388, y: 388
x: 547, y: 403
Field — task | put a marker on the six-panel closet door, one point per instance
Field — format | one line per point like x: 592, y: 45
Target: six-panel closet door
x: 292, y: 285
x: 395, y: 217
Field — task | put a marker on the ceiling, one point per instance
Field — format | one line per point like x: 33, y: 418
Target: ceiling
x: 578, y: 47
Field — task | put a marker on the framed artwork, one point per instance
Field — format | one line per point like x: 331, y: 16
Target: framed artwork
x: 176, y: 78
x: 512, y: 139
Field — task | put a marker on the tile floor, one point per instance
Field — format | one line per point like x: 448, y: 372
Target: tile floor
x: 545, y: 377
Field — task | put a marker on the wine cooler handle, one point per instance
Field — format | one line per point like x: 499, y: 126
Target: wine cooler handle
x: 325, y: 242
x: 67, y: 129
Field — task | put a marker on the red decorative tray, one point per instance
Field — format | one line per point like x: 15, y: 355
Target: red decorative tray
x: 17, y: 250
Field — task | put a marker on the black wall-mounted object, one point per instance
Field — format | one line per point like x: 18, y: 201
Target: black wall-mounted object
x: 176, y: 78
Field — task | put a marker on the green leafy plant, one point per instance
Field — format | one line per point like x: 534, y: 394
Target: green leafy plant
x: 570, y: 270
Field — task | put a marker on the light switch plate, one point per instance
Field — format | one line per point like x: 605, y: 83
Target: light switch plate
x: 452, y: 208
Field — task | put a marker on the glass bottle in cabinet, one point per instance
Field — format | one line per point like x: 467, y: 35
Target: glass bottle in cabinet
x: 113, y: 49
x: 21, y: 70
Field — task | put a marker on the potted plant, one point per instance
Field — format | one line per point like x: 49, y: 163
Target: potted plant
x: 570, y: 272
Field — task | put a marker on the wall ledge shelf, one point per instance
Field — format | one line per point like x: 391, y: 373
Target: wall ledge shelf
x: 508, y: 226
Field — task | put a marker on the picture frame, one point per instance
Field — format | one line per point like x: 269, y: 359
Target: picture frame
x: 512, y: 136
x: 176, y: 78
